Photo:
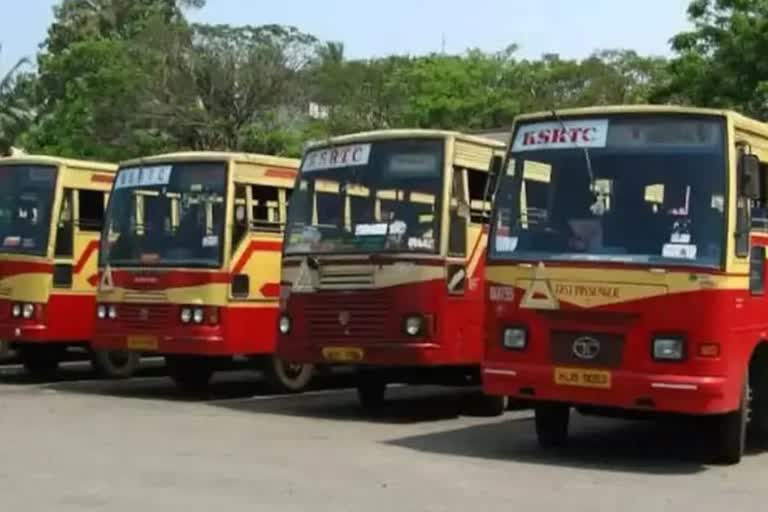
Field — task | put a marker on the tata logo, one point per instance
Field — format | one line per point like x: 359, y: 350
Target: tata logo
x: 344, y: 318
x: 143, y: 314
x: 586, y: 348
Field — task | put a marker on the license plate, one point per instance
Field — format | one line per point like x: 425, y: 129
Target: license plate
x: 343, y: 354
x: 142, y: 343
x: 580, y: 378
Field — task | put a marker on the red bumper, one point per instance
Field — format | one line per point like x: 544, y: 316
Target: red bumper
x: 396, y: 353
x: 210, y: 345
x: 19, y: 332
x: 634, y: 391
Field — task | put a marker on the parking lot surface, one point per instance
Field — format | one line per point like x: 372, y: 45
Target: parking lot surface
x: 83, y: 444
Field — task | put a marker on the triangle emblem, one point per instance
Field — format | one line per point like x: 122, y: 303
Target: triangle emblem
x: 539, y: 294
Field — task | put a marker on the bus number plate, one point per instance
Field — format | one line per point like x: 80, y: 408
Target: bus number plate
x: 142, y: 343
x: 343, y: 354
x: 580, y: 378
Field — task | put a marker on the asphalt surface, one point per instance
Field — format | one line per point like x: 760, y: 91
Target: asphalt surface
x: 82, y: 444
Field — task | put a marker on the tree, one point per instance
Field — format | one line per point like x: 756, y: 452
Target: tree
x: 720, y: 62
x: 16, y: 111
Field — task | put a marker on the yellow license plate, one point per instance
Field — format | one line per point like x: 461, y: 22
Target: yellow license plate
x: 580, y: 378
x: 343, y: 354
x: 142, y: 343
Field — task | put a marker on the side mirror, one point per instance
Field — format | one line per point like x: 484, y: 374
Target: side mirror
x: 749, y: 176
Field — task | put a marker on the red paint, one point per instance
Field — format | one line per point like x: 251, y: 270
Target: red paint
x: 90, y: 250
x: 281, y: 173
x: 240, y: 331
x: 10, y: 268
x: 68, y: 319
x: 165, y: 279
x: 271, y: 290
x: 102, y: 178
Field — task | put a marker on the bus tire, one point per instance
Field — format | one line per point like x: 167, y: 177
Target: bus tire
x: 371, y: 391
x: 191, y: 374
x: 284, y: 377
x: 486, y: 406
x: 731, y: 431
x: 115, y: 364
x: 41, y: 362
x: 552, y: 422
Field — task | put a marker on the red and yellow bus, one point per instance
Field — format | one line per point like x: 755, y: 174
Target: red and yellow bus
x: 51, y: 214
x: 190, y: 266
x: 383, y: 260
x: 632, y: 280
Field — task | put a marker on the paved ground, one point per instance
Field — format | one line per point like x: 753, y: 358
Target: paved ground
x: 82, y: 444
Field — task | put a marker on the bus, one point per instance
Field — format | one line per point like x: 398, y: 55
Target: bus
x: 51, y: 214
x: 383, y: 259
x: 632, y: 283
x: 190, y: 264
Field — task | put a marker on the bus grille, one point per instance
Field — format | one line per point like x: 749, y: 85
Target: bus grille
x: 609, y: 355
x: 146, y: 317
x: 153, y: 296
x: 346, y: 278
x: 354, y: 317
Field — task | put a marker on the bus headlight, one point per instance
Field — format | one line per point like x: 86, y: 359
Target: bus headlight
x: 186, y: 315
x: 112, y: 312
x: 27, y: 310
x: 413, y: 325
x: 16, y: 310
x: 198, y: 315
x: 284, y: 324
x: 101, y: 311
x: 515, y: 338
x: 668, y: 348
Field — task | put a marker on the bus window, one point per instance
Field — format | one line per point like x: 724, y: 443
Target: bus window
x: 240, y: 214
x: 457, y: 243
x: 90, y: 208
x: 479, y: 207
x: 64, y: 227
x: 266, y: 208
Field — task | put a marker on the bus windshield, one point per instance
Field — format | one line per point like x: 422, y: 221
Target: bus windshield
x: 368, y: 197
x: 615, y: 188
x: 25, y: 208
x: 166, y: 215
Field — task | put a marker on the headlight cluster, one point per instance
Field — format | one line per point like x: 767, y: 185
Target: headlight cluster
x: 24, y: 310
x: 106, y: 311
x: 198, y: 315
x: 413, y: 325
x: 515, y: 338
x: 668, y: 348
x: 284, y: 324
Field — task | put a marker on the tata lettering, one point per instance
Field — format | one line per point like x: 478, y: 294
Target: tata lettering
x: 566, y: 135
x: 337, y: 157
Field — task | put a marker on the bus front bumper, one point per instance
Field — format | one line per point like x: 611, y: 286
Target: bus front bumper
x: 681, y: 394
x: 206, y: 345
x: 18, y: 332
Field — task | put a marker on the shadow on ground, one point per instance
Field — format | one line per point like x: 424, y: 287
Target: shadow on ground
x: 650, y: 447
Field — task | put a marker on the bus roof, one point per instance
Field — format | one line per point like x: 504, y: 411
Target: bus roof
x: 57, y: 161
x: 641, y: 109
x: 405, y: 133
x: 209, y: 156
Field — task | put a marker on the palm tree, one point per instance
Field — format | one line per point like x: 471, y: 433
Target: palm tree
x: 15, y: 111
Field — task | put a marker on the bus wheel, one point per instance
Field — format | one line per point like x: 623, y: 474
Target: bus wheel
x: 285, y: 377
x: 486, y: 406
x: 115, y: 364
x: 40, y: 361
x: 552, y: 425
x: 192, y: 374
x: 731, y: 430
x: 371, y: 391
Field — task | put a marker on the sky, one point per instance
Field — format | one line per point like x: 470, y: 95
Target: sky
x: 571, y: 28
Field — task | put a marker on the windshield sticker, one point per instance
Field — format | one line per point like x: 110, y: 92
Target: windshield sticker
x: 413, y: 165
x: 591, y: 133
x: 149, y: 258
x: 131, y: 177
x: 421, y: 243
x: 680, y: 238
x: 28, y: 243
x: 12, y: 241
x: 211, y: 241
x: 370, y: 230
x: 680, y: 251
x: 337, y: 157
x: 506, y: 243
x: 43, y: 175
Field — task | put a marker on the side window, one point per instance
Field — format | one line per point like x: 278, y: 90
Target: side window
x: 266, y: 208
x: 239, y: 216
x: 90, y: 206
x: 457, y: 243
x: 65, y: 226
x: 479, y: 208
